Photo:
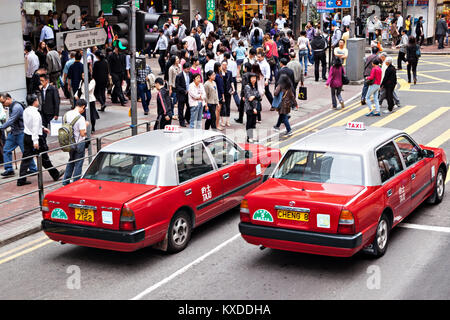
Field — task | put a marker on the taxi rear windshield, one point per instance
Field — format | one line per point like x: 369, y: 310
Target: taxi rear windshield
x: 323, y: 167
x: 123, y: 167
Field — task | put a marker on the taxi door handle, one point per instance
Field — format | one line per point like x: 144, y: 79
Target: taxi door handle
x: 226, y: 176
x: 389, y: 192
x: 188, y: 192
x: 413, y: 176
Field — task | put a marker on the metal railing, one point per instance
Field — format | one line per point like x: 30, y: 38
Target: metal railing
x: 41, y: 187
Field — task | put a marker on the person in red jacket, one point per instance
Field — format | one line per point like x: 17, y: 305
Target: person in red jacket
x: 374, y: 88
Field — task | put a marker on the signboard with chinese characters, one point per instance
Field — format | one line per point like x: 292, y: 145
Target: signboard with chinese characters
x: 76, y: 40
x: 211, y: 10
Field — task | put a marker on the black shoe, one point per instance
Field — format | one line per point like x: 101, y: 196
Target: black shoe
x: 103, y: 107
x: 8, y: 173
x: 363, y: 101
x: 238, y: 121
x: 23, y: 183
x: 60, y: 174
x: 31, y: 172
x: 145, y: 113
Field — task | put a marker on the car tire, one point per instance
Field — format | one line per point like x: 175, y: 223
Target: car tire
x: 439, y: 188
x: 179, y: 232
x: 380, y: 242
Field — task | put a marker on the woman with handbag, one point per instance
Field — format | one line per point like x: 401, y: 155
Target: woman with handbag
x: 271, y: 50
x: 252, y: 97
x: 374, y: 82
x: 284, y: 88
x: 212, y: 100
x: 412, y: 58
x: 335, y: 82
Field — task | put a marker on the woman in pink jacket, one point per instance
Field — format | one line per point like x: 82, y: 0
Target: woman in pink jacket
x: 334, y: 81
x: 374, y: 88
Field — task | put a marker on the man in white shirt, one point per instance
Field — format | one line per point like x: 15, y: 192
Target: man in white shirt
x: 32, y: 64
x: 210, y: 62
x: 161, y: 47
x: 399, y: 22
x: 256, y: 26
x: 192, y: 45
x: 152, y: 9
x: 181, y: 30
x: 76, y: 155
x: 34, y: 141
x: 47, y: 34
x: 265, y: 70
x: 281, y: 21
x: 209, y: 27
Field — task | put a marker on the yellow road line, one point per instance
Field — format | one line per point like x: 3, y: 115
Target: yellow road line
x: 25, y: 251
x: 351, y: 117
x: 392, y: 116
x: 440, y: 140
x: 433, y: 78
x: 425, y: 120
x: 22, y: 246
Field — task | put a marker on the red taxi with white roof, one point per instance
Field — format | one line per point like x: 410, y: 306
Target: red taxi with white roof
x: 342, y: 190
x: 154, y: 188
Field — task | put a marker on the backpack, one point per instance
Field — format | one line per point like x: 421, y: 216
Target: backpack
x: 151, y: 81
x: 65, y: 134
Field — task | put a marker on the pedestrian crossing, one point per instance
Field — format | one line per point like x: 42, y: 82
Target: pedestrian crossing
x: 410, y: 115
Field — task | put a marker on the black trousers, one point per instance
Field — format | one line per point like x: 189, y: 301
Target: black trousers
x: 162, y: 60
x: 401, y: 57
x: 46, y: 118
x: 440, y: 39
x: 184, y: 112
x: 389, y: 97
x: 99, y: 93
x: 28, y: 150
x: 241, y: 110
x: 320, y: 58
x: 117, y: 92
x: 225, y: 111
x: 268, y: 94
x: 211, y: 123
x: 412, y: 65
x: 161, y: 122
x: 251, y: 124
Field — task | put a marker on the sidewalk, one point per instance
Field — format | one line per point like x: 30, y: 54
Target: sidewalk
x: 116, y: 117
x: 431, y: 50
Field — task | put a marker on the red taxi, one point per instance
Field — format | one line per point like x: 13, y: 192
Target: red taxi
x: 153, y: 189
x: 338, y: 191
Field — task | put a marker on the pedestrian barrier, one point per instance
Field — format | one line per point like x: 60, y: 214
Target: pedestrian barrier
x: 96, y: 142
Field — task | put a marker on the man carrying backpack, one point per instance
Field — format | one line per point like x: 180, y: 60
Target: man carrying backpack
x: 76, y: 125
x: 15, y: 137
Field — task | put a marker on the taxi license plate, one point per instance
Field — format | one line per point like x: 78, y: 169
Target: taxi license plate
x: 293, y: 215
x: 86, y: 215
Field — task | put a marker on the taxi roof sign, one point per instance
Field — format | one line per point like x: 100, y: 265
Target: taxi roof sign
x: 172, y: 128
x: 355, y: 126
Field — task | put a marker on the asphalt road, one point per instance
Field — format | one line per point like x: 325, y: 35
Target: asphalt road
x: 219, y: 264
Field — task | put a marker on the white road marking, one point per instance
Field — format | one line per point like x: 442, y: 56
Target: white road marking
x: 185, y: 268
x: 424, y: 227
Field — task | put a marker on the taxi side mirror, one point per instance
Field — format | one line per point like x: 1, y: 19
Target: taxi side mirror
x: 248, y: 154
x: 427, y: 153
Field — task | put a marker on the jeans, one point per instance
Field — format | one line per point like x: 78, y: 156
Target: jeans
x: 12, y: 142
x: 74, y: 168
x: 196, y: 116
x: 303, y: 58
x: 373, y: 90
x: 144, y: 94
x: 364, y: 91
x: 336, y: 92
x: 283, y: 118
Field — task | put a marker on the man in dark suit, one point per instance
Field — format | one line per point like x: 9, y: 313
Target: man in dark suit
x: 117, y: 70
x: 50, y: 101
x: 182, y: 81
x: 285, y: 70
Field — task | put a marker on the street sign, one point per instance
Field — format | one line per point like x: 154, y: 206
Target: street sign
x: 338, y: 4
x: 322, y: 8
x: 80, y: 39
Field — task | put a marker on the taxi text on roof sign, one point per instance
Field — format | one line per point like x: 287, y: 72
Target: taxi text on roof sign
x: 172, y: 128
x: 356, y: 126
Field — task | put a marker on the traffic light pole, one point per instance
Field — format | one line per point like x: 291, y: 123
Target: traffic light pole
x: 133, y: 84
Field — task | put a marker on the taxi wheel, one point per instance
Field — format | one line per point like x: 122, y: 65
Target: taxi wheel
x: 179, y: 232
x: 380, y: 242
x: 439, y: 188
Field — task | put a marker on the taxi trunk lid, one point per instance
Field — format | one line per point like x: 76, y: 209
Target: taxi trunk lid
x: 307, y: 206
x: 86, y: 200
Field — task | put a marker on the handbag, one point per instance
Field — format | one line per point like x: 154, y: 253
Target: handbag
x: 344, y: 78
x: 207, y: 115
x: 302, y: 93
x: 277, y: 101
x: 369, y: 82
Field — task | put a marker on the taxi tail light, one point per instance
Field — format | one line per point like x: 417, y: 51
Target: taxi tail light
x: 244, y: 211
x: 45, y: 209
x: 346, y: 223
x: 127, y: 219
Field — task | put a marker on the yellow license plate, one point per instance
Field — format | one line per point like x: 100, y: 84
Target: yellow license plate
x: 293, y: 215
x: 86, y: 215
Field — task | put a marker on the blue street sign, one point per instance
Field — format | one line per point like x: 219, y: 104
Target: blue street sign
x: 338, y: 4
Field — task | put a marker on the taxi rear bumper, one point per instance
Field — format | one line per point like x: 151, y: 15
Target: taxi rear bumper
x: 94, y: 237
x: 301, y: 241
